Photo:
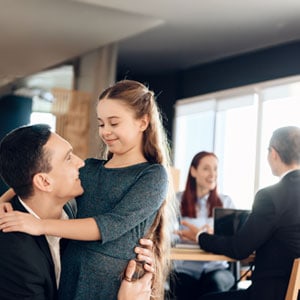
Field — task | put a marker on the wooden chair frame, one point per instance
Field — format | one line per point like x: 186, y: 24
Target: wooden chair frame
x: 294, y: 282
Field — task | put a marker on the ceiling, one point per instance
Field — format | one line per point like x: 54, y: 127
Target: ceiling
x: 156, y: 35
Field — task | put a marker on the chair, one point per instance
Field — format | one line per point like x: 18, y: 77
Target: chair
x: 294, y: 282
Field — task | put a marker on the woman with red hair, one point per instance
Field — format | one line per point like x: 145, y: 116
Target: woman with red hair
x: 198, y: 200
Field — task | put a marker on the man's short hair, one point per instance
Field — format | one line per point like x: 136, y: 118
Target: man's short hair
x: 22, y: 155
x: 286, y: 141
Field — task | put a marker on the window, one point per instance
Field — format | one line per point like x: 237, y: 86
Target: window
x: 41, y: 111
x: 45, y: 118
x: 191, y: 118
x: 236, y: 125
x: 280, y: 107
x: 235, y: 146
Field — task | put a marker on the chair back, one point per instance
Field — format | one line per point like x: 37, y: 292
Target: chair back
x: 294, y: 282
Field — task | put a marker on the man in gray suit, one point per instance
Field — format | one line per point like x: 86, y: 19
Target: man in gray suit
x: 272, y: 229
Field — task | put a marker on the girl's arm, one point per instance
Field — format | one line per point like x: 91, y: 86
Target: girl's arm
x: 139, y: 203
x: 78, y: 229
x: 5, y: 206
x: 144, y: 202
x: 7, y: 196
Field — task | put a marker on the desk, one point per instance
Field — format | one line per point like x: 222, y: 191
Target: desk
x: 196, y: 254
x: 201, y: 255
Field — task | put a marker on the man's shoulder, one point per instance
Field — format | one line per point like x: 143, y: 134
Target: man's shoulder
x: 17, y: 238
x: 15, y: 243
x: 23, y: 262
x: 292, y: 175
x: 17, y: 205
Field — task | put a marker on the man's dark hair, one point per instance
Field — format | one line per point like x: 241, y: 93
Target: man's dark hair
x: 22, y: 156
x: 286, y: 141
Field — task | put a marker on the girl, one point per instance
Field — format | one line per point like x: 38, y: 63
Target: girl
x: 198, y: 200
x: 127, y: 195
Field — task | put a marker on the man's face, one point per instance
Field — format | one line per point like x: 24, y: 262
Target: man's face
x: 64, y: 176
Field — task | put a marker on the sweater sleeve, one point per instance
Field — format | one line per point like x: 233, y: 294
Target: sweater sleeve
x: 140, y: 202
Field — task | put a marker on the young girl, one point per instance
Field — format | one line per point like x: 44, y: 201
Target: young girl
x: 198, y: 200
x: 126, y: 196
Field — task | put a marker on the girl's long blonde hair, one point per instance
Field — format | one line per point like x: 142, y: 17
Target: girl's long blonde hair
x: 156, y: 150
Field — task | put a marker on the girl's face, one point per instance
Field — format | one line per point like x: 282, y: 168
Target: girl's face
x: 206, y: 173
x: 118, y: 127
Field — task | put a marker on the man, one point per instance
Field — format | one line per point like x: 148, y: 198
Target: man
x: 44, y: 172
x: 273, y: 228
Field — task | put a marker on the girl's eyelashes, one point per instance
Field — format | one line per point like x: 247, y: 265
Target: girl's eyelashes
x: 112, y: 125
x: 100, y: 123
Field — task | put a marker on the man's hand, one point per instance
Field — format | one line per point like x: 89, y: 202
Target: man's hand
x: 137, y: 281
x: 135, y: 289
x: 145, y: 254
x: 191, y: 231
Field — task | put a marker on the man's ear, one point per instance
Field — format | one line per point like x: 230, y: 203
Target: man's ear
x: 42, y: 182
x: 144, y: 122
x: 274, y: 154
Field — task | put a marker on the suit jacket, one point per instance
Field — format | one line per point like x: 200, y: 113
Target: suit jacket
x: 26, y: 265
x: 273, y: 231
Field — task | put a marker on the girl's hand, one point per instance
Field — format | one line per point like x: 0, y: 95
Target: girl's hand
x: 19, y: 221
x: 7, y: 196
x: 5, y: 207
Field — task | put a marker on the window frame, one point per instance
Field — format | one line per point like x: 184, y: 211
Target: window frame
x: 215, y: 99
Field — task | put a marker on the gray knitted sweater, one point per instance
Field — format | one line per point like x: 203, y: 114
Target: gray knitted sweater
x: 124, y: 203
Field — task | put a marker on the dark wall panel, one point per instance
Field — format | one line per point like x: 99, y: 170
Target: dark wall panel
x: 14, y: 112
x: 267, y: 64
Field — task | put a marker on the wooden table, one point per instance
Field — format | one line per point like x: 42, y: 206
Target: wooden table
x: 198, y: 254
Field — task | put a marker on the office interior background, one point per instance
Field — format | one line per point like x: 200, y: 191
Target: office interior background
x: 226, y: 74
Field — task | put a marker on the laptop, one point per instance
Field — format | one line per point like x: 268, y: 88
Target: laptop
x: 228, y: 221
